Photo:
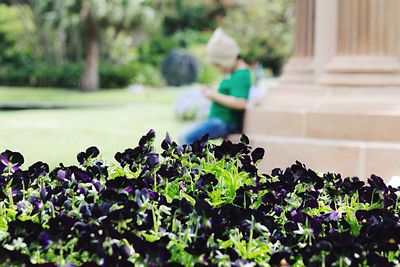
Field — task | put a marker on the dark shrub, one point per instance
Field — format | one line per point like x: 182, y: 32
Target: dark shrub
x: 179, y: 68
x: 65, y: 76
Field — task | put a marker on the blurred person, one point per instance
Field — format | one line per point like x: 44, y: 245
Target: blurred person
x: 230, y: 98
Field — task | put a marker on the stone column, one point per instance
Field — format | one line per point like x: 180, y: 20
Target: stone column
x: 299, y: 69
x: 367, y: 45
x: 326, y: 21
x: 343, y: 115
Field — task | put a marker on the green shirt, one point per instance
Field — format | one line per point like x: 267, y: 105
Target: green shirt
x: 237, y: 85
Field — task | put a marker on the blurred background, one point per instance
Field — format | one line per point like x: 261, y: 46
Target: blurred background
x: 77, y: 73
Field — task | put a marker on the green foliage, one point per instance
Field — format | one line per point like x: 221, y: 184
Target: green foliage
x: 11, y: 30
x: 115, y: 76
x: 68, y: 75
x: 196, y: 15
x: 152, y: 52
x: 54, y: 33
x: 198, y: 204
x: 15, y: 76
x: 208, y: 74
x: 64, y: 76
x: 147, y: 74
x: 263, y: 30
x: 190, y: 37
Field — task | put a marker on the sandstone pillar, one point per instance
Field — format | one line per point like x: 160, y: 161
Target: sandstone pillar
x: 300, y: 67
x: 367, y: 45
x: 337, y: 107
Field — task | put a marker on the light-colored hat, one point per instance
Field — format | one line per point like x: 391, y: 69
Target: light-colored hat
x: 222, y: 49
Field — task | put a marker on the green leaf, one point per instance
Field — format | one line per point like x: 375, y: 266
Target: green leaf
x: 150, y: 237
x: 189, y: 198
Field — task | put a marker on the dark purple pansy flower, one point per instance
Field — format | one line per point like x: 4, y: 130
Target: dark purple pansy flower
x: 198, y: 146
x: 179, y: 149
x: 375, y: 260
x: 80, y: 175
x: 152, y: 160
x: 35, y: 202
x: 154, y: 195
x: 244, y: 139
x: 248, y: 166
x: 39, y: 169
x: 281, y: 258
x: 81, y: 190
x: 206, y: 179
x: 91, y: 152
x: 298, y: 216
x: 147, y: 139
x: 311, y: 203
x: 315, y: 179
x: 11, y: 159
x: 233, y: 255
x: 377, y: 183
x: 315, y: 225
x: 44, y: 239
x: 61, y: 173
x: 166, y: 143
x: 276, y: 236
x: 98, y: 170
x: 257, y: 154
x: 128, y: 189
x: 227, y: 148
x: 277, y: 210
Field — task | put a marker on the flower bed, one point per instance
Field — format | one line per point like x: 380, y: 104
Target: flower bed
x: 195, y: 205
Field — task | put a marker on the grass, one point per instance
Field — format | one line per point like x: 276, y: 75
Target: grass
x: 55, y: 136
x: 57, y: 96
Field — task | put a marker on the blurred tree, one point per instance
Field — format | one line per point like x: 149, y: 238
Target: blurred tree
x: 263, y: 30
x: 81, y: 22
x: 98, y: 15
x: 136, y: 34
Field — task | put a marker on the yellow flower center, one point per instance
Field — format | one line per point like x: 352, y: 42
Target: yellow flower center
x: 283, y: 263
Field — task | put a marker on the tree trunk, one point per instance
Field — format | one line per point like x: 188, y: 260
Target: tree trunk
x: 90, y: 79
x: 60, y: 49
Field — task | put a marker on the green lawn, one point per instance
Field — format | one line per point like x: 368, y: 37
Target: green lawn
x: 55, y: 136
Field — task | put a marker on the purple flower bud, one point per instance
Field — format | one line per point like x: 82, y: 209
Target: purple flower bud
x: 152, y: 160
x: 129, y: 189
x: 61, y: 174
x: 81, y: 190
x: 334, y: 215
x: 277, y: 210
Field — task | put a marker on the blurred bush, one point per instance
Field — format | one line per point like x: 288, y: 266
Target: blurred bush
x: 65, y: 76
x: 179, y: 68
x: 147, y: 74
x: 115, y: 76
x: 151, y: 54
x: 153, y: 51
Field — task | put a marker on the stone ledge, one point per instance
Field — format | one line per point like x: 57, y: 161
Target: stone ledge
x: 350, y: 158
x: 326, y: 123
